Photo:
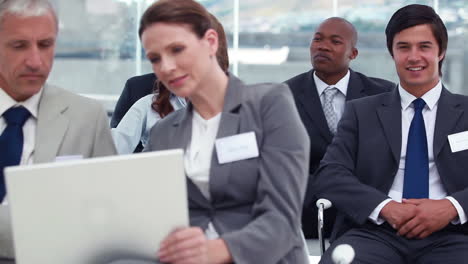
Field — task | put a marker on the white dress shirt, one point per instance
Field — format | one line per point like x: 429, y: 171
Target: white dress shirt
x: 436, y: 189
x: 197, y: 158
x: 339, y: 101
x: 136, y: 124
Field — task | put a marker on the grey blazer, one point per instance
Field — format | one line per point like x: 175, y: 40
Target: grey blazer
x: 255, y: 203
x: 360, y: 165
x: 67, y: 124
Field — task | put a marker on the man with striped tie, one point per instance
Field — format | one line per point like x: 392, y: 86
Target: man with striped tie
x: 321, y: 94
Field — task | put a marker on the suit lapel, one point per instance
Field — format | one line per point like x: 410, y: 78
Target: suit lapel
x: 228, y: 126
x: 447, y: 117
x: 52, y: 124
x: 310, y: 101
x: 182, y: 129
x: 390, y: 118
x: 355, y: 87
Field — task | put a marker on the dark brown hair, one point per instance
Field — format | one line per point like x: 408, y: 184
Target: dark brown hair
x: 222, y: 53
x: 187, y: 12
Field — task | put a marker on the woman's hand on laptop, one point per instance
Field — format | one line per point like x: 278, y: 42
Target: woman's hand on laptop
x: 190, y: 245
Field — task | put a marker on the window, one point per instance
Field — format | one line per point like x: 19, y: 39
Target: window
x: 98, y: 47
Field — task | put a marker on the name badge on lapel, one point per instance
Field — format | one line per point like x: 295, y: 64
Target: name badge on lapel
x: 458, y: 141
x: 235, y: 148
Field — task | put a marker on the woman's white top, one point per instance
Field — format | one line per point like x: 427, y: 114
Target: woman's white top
x: 197, y: 158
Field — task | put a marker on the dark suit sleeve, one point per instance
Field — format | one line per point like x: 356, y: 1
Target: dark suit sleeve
x: 387, y: 86
x: 123, y: 104
x: 336, y: 180
x: 284, y: 154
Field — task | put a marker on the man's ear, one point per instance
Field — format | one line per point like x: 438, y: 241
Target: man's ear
x: 442, y: 56
x: 354, y: 53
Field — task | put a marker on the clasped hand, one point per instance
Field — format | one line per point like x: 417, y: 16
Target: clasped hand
x: 418, y: 218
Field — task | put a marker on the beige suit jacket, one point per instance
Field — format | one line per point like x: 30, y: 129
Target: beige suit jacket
x: 67, y: 124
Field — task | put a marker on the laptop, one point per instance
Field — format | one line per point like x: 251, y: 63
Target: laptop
x: 97, y: 210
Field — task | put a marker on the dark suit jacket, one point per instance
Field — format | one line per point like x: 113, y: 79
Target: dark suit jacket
x: 134, y: 89
x: 311, y: 112
x: 255, y: 203
x: 359, y: 167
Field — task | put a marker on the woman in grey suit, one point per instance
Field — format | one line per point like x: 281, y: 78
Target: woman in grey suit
x: 246, y: 150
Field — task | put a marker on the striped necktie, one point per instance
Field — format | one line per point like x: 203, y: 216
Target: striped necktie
x: 328, y: 109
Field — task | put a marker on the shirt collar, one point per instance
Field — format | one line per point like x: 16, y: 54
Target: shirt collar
x: 341, y: 85
x: 431, y: 97
x: 32, y: 103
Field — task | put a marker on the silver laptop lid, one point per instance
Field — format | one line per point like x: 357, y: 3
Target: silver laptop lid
x: 96, y: 210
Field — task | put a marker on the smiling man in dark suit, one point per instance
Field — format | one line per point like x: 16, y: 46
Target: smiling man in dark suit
x: 320, y: 96
x: 397, y: 167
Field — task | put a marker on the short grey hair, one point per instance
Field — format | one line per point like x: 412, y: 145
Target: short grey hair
x: 27, y: 8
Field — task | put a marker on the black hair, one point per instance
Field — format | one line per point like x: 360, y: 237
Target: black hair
x: 414, y: 15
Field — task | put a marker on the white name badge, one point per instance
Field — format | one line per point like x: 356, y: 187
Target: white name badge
x: 238, y: 147
x: 458, y: 141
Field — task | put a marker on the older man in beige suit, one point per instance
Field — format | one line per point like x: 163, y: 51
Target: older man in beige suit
x: 39, y: 122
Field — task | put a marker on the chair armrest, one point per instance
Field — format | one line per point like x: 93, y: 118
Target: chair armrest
x: 322, y: 204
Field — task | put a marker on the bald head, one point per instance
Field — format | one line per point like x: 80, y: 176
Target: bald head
x: 345, y: 25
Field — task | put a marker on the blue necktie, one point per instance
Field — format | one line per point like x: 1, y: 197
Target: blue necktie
x: 416, y: 179
x: 11, y: 141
